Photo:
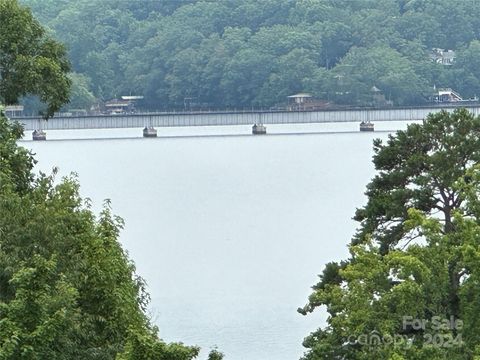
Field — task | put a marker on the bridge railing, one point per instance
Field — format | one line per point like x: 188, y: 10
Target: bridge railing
x: 222, y: 118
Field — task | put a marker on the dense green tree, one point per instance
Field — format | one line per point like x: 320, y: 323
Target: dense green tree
x: 467, y: 70
x: 256, y: 15
x: 366, y: 23
x: 289, y: 73
x: 67, y: 288
x: 415, y: 253
x: 337, y: 39
x: 81, y: 96
x: 414, y: 25
x: 215, y: 355
x: 126, y: 47
x: 312, y: 11
x: 386, y: 69
x: 245, y: 73
x: 31, y: 62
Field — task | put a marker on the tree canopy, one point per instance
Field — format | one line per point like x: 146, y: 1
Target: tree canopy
x: 31, y: 62
x: 67, y: 288
x: 415, y: 255
x: 247, y: 53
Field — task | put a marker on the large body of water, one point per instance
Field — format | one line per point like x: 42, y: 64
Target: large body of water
x: 229, y: 232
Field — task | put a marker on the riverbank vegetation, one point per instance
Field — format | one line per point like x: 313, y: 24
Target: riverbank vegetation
x: 410, y: 287
x: 187, y: 54
x: 67, y: 288
x: 31, y: 61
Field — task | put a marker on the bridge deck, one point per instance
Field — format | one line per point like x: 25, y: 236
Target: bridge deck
x: 232, y: 118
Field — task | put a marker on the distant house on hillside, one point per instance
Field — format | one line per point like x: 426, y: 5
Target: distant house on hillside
x: 305, y: 101
x: 117, y: 106
x: 444, y: 57
x: 122, y: 106
x: 448, y: 95
x: 300, y: 98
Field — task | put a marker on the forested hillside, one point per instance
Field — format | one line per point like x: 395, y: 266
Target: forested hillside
x: 243, y: 53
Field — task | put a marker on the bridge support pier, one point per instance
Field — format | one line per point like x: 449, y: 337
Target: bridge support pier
x: 39, y: 135
x: 259, y: 129
x: 149, y: 132
x: 367, y: 126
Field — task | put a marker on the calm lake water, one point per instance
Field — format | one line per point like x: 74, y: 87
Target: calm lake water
x: 229, y: 232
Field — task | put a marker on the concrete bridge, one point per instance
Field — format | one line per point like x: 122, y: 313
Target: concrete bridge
x: 149, y: 121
